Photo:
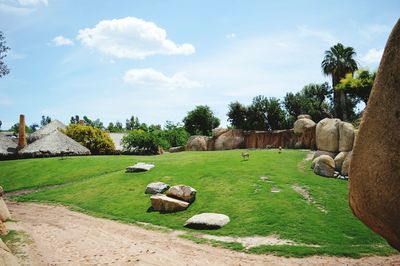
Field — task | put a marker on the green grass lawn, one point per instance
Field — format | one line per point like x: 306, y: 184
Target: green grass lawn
x: 224, y: 184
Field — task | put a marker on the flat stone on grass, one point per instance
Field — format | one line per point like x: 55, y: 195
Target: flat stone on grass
x: 139, y: 167
x: 207, y: 221
x: 156, y: 188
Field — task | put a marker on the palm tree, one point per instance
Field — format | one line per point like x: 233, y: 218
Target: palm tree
x: 339, y: 61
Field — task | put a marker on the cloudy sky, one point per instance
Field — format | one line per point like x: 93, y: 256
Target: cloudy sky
x: 159, y: 59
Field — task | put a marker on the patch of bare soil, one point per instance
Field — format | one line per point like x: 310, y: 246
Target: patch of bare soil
x: 254, y: 241
x: 302, y: 164
x: 63, y: 237
x: 303, y: 192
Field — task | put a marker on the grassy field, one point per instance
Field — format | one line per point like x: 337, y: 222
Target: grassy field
x: 225, y: 184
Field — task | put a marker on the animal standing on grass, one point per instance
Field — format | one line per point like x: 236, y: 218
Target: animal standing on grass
x: 280, y: 149
x: 245, y: 155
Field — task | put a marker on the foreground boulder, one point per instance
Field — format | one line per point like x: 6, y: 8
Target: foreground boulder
x: 197, y: 143
x: 139, y: 167
x: 327, y: 134
x: 182, y: 192
x: 4, y: 212
x: 6, y: 257
x: 156, y: 188
x: 207, y: 221
x: 163, y: 203
x: 375, y: 167
x: 324, y: 165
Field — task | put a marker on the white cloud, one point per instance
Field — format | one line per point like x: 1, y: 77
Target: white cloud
x: 15, y: 10
x: 372, y: 31
x: 5, y: 100
x: 131, y: 37
x: 32, y: 2
x: 61, y: 40
x: 152, y: 78
x: 325, y: 36
x: 231, y: 35
x: 373, y: 56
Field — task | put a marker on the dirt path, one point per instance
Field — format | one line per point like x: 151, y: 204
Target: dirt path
x: 64, y: 237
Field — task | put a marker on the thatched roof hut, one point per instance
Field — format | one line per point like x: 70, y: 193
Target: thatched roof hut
x: 54, y: 144
x: 8, y: 145
x: 117, y: 139
x: 51, y: 127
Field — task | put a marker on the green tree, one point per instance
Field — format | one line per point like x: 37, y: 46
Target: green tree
x: 15, y: 129
x: 132, y: 123
x: 312, y: 100
x: 142, y: 142
x: 117, y: 127
x: 34, y: 127
x: 4, y: 70
x: 175, y: 134
x: 45, y: 120
x: 358, y: 86
x: 237, y: 115
x: 338, y: 61
x: 95, y: 139
x: 200, y: 121
x: 266, y: 114
x: 74, y: 119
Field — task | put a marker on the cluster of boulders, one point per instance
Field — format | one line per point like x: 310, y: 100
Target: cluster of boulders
x: 334, y: 141
x: 176, y: 198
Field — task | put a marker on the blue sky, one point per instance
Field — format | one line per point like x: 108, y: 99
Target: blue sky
x: 158, y: 59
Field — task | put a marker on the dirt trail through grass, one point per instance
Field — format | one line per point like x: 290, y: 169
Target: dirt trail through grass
x: 63, y: 237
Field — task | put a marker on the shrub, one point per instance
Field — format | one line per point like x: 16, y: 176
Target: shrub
x: 144, y: 142
x: 96, y: 140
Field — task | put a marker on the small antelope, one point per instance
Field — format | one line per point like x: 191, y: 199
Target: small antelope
x: 245, y: 155
x: 280, y: 149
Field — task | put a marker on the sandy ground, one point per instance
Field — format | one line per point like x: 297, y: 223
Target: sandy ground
x: 64, y: 237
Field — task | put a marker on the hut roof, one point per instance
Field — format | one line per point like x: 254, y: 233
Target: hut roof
x: 45, y: 130
x: 117, y: 139
x: 8, y: 145
x: 54, y: 144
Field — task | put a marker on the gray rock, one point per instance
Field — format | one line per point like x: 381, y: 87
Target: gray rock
x: 176, y: 149
x: 327, y: 134
x: 319, y: 153
x: 139, y: 167
x: 339, y: 159
x: 156, y: 188
x: 302, y: 123
x: 207, y: 221
x: 324, y: 165
x: 163, y: 203
x: 182, y: 192
x: 346, y: 136
x: 304, y: 116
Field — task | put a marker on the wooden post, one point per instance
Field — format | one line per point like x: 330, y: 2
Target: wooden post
x: 21, y: 134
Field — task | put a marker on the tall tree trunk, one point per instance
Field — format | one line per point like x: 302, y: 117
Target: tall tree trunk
x: 343, y: 106
x: 337, y: 106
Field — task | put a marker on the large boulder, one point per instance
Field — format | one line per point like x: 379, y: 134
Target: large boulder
x: 346, y: 165
x: 207, y: 221
x: 231, y: 139
x: 216, y: 132
x: 324, y: 165
x: 3, y: 229
x: 182, y: 192
x: 319, y: 153
x: 156, y: 188
x: 197, y: 143
x: 346, y: 136
x: 4, y: 213
x: 327, y: 134
x: 339, y: 159
x: 301, y: 124
x: 375, y: 167
x: 163, y: 203
x: 304, y: 116
x: 6, y: 257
